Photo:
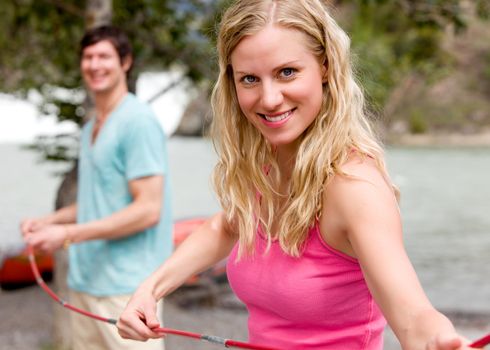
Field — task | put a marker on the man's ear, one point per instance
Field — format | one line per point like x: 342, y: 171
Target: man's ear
x: 127, y: 62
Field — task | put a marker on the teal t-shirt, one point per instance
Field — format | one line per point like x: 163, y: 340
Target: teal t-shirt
x: 130, y: 145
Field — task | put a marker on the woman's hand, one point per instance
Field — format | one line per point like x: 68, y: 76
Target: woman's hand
x: 209, y: 244
x: 139, y: 317
x: 448, y: 341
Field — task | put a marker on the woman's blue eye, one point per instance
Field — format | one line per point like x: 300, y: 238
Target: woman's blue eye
x: 287, y: 72
x: 249, y: 79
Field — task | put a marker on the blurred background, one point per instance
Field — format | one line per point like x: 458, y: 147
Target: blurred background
x: 425, y: 68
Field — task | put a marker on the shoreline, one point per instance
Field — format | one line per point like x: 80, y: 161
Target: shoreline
x: 481, y: 139
x: 442, y: 140
x: 476, y: 140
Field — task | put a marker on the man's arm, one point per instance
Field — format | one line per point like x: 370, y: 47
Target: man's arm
x: 141, y: 213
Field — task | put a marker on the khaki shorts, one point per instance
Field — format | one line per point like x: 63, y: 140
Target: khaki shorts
x: 90, y: 334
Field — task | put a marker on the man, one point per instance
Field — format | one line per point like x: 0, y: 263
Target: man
x: 119, y: 230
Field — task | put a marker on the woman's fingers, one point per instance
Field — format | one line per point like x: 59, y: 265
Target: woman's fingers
x: 139, y: 318
x: 131, y: 326
x: 448, y: 341
x: 151, y: 319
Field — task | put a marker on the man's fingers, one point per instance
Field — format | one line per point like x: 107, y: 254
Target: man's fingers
x: 25, y: 227
x: 37, y: 244
x: 30, y: 239
x: 29, y: 225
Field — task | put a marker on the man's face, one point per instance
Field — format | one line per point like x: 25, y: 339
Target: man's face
x: 102, y: 69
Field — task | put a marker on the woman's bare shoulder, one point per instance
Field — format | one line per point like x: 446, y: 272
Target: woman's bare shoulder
x: 359, y: 184
x: 359, y: 170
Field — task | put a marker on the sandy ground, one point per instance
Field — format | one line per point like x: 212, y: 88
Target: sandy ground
x: 27, y: 314
x: 26, y: 321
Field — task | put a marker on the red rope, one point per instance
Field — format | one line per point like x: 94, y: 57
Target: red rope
x: 42, y: 284
x: 209, y: 338
x: 482, y: 342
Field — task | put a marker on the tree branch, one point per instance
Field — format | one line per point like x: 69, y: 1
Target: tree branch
x: 166, y: 89
x: 68, y: 8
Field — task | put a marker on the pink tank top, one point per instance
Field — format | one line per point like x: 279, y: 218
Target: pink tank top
x: 317, y: 301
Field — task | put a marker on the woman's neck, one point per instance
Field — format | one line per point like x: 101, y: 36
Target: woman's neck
x: 286, y: 158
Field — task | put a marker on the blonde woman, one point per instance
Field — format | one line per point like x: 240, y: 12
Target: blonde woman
x: 310, y: 220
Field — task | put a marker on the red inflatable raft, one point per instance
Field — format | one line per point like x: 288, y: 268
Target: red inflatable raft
x: 15, y: 271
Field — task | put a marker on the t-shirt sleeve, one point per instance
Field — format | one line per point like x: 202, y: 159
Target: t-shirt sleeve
x: 144, y: 148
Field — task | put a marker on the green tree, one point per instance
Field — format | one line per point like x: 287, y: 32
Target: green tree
x: 395, y: 38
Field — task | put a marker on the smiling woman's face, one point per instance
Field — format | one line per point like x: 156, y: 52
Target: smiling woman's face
x: 279, y: 83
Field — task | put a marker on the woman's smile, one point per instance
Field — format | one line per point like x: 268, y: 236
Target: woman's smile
x: 275, y: 120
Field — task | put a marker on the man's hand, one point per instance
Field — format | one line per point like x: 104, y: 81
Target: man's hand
x: 45, y: 238
x: 29, y: 225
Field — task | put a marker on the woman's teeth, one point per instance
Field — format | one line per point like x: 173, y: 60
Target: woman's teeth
x: 277, y: 118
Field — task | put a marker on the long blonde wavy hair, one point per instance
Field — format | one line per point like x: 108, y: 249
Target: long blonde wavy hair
x: 340, y: 127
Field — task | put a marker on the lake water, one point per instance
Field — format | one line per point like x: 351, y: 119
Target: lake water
x: 445, y: 208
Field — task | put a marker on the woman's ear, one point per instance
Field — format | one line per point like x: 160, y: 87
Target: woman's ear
x: 324, y: 72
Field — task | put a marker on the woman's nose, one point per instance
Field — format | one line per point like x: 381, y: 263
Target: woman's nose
x: 272, y: 96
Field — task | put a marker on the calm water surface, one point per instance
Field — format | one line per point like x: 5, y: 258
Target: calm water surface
x: 445, y: 208
x: 446, y: 217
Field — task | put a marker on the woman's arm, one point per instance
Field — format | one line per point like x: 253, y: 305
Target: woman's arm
x: 208, y: 245
x: 368, y: 227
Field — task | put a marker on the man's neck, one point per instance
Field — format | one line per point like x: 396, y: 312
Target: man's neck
x: 105, y: 103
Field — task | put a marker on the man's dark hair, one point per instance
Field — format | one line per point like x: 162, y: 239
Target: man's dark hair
x: 116, y: 36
